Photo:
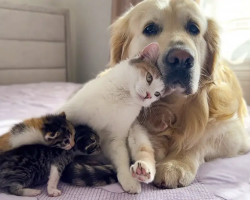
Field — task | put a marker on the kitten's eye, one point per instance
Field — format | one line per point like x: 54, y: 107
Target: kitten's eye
x: 149, y: 78
x: 66, y: 141
x: 157, y: 94
x: 52, y: 134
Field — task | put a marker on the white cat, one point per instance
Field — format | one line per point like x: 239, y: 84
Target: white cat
x: 111, y: 103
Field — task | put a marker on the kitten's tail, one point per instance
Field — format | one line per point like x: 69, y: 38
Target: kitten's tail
x: 80, y: 174
x: 5, y: 142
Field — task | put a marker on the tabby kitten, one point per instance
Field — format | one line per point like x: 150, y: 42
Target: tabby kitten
x: 50, y: 130
x: 31, y: 165
x: 84, y: 171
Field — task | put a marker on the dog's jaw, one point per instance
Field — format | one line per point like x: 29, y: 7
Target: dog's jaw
x: 185, y: 82
x: 181, y: 80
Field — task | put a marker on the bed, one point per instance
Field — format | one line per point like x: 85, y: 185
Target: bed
x: 34, y: 67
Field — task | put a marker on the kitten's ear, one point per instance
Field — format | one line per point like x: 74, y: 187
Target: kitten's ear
x: 51, y: 135
x: 151, y: 52
x: 62, y: 114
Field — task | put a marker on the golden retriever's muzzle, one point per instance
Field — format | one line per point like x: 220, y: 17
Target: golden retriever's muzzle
x: 178, y: 67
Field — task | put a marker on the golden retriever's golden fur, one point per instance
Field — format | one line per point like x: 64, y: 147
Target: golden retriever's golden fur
x: 203, y: 125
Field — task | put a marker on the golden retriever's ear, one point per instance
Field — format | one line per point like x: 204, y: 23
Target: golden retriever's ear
x: 120, y: 39
x: 212, y: 39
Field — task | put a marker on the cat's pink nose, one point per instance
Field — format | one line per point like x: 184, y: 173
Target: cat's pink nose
x: 148, y: 95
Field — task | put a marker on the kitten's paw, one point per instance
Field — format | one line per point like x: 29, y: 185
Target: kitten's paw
x: 129, y: 184
x: 31, y: 192
x: 142, y: 171
x: 53, y: 192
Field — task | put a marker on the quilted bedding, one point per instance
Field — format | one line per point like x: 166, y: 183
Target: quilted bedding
x: 220, y: 179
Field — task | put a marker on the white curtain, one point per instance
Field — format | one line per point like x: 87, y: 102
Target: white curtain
x: 233, y: 17
x: 120, y: 6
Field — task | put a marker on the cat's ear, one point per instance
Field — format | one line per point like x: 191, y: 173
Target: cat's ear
x: 151, y: 52
x: 51, y: 135
x: 62, y: 114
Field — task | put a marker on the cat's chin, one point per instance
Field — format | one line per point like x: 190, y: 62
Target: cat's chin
x: 141, y: 98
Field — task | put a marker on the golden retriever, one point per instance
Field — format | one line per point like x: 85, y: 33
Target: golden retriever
x: 203, y: 117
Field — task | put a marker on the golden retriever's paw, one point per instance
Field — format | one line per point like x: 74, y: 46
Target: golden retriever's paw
x: 129, y: 184
x: 143, y: 171
x: 173, y: 174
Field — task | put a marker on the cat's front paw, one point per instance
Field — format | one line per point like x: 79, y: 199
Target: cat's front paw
x: 143, y: 171
x: 129, y: 184
x: 53, y: 192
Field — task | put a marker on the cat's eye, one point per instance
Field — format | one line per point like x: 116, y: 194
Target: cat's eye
x: 157, y: 94
x: 149, y: 78
x: 52, y: 134
x: 66, y: 141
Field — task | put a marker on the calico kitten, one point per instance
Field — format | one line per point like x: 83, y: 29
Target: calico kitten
x: 49, y: 130
x: 33, y: 165
x: 111, y: 103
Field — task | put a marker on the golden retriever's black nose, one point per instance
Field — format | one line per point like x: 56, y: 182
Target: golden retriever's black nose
x: 179, y: 59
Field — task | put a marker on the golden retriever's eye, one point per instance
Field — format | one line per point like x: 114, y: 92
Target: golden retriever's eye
x: 151, y: 29
x: 192, y: 28
x: 149, y: 78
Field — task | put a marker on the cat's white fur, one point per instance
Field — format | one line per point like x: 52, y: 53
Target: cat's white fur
x: 142, y: 152
x: 110, y: 104
x: 31, y: 192
x: 29, y: 136
x: 54, y: 178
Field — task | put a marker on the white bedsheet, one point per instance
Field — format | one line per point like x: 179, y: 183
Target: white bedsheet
x: 19, y: 102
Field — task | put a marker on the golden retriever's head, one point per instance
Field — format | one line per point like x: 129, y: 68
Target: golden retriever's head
x: 188, y: 40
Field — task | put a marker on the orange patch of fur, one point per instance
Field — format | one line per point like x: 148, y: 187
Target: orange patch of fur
x: 4, y: 142
x: 36, y: 123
